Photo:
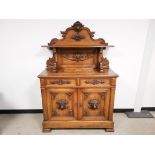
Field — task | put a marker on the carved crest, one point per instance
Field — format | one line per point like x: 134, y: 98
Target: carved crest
x: 77, y: 26
x: 77, y: 33
x: 77, y: 37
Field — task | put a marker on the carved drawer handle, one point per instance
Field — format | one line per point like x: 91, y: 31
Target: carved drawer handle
x: 93, y: 104
x: 61, y: 104
x: 94, y: 82
x: 60, y: 82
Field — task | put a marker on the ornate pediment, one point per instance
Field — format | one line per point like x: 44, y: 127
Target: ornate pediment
x: 77, y: 35
x: 77, y: 26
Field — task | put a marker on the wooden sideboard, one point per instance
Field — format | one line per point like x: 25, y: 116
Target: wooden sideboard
x: 78, y: 87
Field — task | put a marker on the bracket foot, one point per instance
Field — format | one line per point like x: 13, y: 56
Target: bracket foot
x: 109, y: 130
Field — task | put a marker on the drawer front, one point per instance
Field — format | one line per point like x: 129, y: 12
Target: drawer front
x: 94, y: 82
x: 61, y: 82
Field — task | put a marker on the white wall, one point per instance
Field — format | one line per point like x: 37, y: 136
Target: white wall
x: 22, y: 58
x: 149, y: 90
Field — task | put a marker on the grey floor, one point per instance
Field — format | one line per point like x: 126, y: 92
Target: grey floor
x: 30, y: 124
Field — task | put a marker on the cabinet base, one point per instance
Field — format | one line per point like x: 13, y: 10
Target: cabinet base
x: 109, y: 130
x: 108, y: 125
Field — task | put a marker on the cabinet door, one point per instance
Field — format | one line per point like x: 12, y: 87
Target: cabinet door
x: 94, y: 104
x: 62, y: 103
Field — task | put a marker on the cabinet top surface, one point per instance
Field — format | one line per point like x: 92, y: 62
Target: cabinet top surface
x: 60, y: 73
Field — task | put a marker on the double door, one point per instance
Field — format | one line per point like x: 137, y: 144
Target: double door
x: 83, y: 104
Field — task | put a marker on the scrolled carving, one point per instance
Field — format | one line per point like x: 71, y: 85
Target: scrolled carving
x: 76, y: 32
x: 53, y: 41
x: 77, y: 37
x: 94, y: 81
x: 86, y: 95
x: 61, y: 104
x: 79, y: 57
x: 93, y: 104
x: 102, y: 41
x: 103, y: 64
x: 54, y: 94
x: 76, y: 56
x: 51, y: 64
x: 60, y: 82
x: 69, y: 94
x: 77, y: 26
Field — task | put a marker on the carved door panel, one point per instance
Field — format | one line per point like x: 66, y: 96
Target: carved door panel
x: 62, y: 104
x: 94, y: 104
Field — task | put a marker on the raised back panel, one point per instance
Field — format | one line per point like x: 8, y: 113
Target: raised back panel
x: 70, y: 59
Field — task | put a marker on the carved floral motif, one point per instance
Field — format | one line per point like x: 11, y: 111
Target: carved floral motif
x: 77, y: 37
x: 94, y: 81
x: 77, y: 27
x: 77, y: 56
x: 60, y: 82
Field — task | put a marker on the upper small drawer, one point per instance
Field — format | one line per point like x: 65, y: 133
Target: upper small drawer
x: 94, y: 82
x: 61, y: 82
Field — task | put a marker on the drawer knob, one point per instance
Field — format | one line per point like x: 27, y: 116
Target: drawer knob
x: 60, y: 82
x: 94, y: 81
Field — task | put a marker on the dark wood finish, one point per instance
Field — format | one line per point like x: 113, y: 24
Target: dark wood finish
x: 78, y: 86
